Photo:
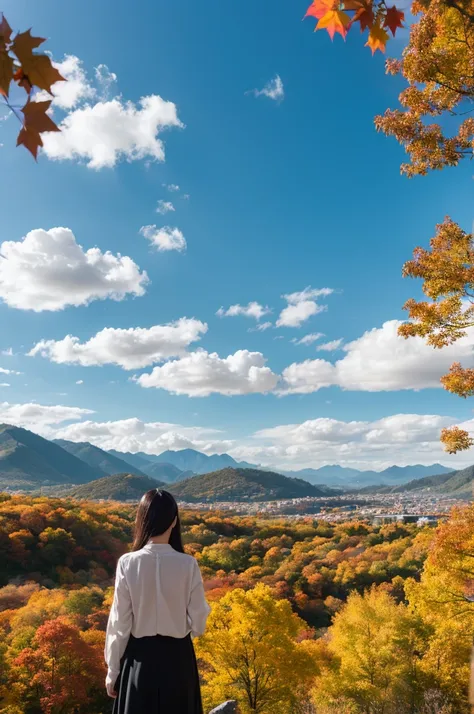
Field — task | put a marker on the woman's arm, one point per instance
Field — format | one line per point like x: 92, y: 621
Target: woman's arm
x: 119, y: 625
x: 198, y: 609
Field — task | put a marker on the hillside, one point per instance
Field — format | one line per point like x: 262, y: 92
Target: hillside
x: 27, y: 460
x: 231, y: 484
x: 97, y: 458
x: 197, y: 462
x: 459, y: 483
x: 119, y: 487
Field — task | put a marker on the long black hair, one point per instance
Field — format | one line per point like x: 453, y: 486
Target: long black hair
x: 156, y: 512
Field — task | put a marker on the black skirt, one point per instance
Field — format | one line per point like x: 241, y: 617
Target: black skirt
x: 158, y: 675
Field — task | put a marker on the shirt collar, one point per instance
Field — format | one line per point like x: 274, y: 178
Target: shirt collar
x: 158, y: 546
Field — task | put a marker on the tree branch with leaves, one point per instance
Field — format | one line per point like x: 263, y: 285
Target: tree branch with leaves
x: 30, y: 71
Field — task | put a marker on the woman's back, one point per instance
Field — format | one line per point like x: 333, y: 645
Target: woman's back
x: 166, y: 592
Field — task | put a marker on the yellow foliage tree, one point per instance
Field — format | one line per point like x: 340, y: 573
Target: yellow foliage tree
x: 444, y: 599
x: 373, y: 649
x: 251, y: 653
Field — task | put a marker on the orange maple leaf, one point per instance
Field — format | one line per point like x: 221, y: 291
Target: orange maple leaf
x: 320, y: 7
x: 37, y: 69
x: 36, y: 122
x: 377, y: 39
x: 5, y: 32
x: 6, y: 71
x: 394, y: 19
x: 334, y: 21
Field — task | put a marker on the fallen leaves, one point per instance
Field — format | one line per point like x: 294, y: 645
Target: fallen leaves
x: 372, y: 15
x: 21, y: 64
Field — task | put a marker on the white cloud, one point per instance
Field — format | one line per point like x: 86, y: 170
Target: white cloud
x: 301, y: 306
x: 308, y: 339
x: 165, y: 238
x: 8, y: 352
x: 69, y: 94
x: 80, y: 381
x: 171, y: 187
x: 273, y: 89
x: 165, y: 207
x: 48, y: 270
x: 403, y: 439
x: 261, y: 327
x: 9, y: 371
x: 105, y: 79
x: 200, y: 374
x: 151, y: 437
x: 106, y: 132
x: 253, y: 309
x: 4, y: 384
x: 380, y: 361
x: 330, y: 346
x: 131, y: 348
x: 39, y: 417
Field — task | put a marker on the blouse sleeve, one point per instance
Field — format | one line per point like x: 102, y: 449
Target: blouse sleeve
x: 119, y: 625
x: 198, y: 609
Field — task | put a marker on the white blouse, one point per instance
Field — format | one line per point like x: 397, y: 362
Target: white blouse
x: 158, y: 591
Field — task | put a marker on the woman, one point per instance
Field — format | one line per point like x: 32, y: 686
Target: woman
x: 158, y: 604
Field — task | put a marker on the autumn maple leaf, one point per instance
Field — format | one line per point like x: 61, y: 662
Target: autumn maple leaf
x: 334, y: 21
x: 319, y: 8
x: 364, y: 13
x: 378, y: 38
x: 36, y: 122
x: 38, y: 69
x: 394, y: 19
x: 5, y: 32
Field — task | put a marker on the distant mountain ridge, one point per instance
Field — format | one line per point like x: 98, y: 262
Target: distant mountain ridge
x: 237, y: 484
x: 344, y: 477
x: 457, y: 483
x: 27, y: 459
x: 118, y: 487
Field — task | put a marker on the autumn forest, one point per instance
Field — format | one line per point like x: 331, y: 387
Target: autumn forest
x: 306, y: 616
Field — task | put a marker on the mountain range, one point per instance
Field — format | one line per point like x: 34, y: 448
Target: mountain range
x: 228, y: 484
x: 29, y: 461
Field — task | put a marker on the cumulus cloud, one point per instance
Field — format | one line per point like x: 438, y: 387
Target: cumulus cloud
x: 48, y: 270
x: 131, y: 348
x: 104, y: 133
x: 301, y: 306
x: 76, y: 89
x: 330, y: 346
x: 308, y: 339
x: 401, y: 438
x: 165, y: 207
x: 273, y: 89
x: 40, y: 417
x: 165, y: 238
x: 150, y: 437
x: 380, y: 361
x: 253, y: 309
x: 200, y: 374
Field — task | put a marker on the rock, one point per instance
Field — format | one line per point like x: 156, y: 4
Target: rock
x: 226, y: 708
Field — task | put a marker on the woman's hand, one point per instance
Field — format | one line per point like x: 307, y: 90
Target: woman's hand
x: 111, y: 691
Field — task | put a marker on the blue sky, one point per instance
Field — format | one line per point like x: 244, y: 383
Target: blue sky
x: 275, y: 196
